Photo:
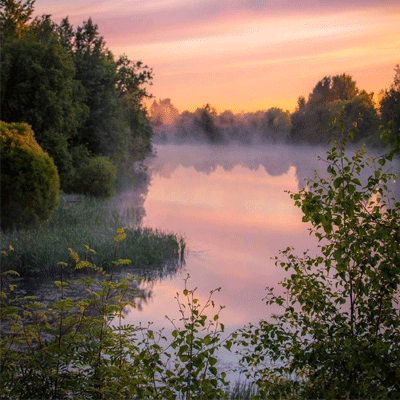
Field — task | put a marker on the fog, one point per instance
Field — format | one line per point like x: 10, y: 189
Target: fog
x: 231, y: 205
x: 205, y: 125
x: 275, y: 159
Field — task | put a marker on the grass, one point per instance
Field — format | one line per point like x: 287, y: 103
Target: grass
x: 242, y: 390
x: 92, y: 223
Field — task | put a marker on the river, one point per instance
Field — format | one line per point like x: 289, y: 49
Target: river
x: 232, y: 207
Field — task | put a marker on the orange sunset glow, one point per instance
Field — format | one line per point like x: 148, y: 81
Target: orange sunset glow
x: 245, y: 55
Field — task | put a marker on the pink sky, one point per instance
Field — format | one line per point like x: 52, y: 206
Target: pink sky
x: 246, y: 55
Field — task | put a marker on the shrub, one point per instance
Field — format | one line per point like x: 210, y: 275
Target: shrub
x: 29, y: 178
x: 96, y: 177
x: 337, y: 332
x: 78, y: 346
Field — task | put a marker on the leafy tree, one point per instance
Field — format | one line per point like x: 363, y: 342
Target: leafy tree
x: 163, y: 112
x: 96, y: 177
x: 131, y: 80
x: 390, y: 109
x: 14, y: 17
x: 276, y: 124
x: 38, y: 87
x: 338, y: 334
x: 117, y: 122
x: 339, y: 98
x: 205, y: 119
x: 29, y: 178
x: 68, y: 86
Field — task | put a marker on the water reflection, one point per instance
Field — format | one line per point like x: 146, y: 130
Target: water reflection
x: 129, y: 201
x: 230, y: 204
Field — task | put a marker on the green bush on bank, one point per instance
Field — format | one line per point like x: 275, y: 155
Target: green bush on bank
x: 29, y: 179
x: 96, y: 177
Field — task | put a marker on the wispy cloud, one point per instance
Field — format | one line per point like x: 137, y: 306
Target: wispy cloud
x: 246, y: 50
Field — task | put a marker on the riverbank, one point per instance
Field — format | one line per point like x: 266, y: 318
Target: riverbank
x: 83, y: 225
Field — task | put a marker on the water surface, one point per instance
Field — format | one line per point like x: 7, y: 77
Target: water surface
x: 231, y: 205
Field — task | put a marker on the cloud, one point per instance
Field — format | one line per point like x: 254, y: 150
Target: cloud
x: 246, y: 54
x: 167, y: 20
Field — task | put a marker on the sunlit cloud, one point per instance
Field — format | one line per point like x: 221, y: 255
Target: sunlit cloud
x: 246, y: 55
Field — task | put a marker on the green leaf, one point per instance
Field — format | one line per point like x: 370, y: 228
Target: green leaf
x: 337, y: 182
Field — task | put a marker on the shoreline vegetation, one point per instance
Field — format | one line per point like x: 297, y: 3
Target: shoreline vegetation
x: 91, y: 222
x: 65, y: 95
x: 336, y: 337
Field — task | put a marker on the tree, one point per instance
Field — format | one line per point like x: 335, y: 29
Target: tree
x: 163, y: 112
x: 339, y: 98
x: 14, y: 17
x: 67, y: 85
x: 338, y: 87
x: 29, y: 178
x: 38, y: 87
x: 276, y: 124
x: 205, y: 119
x: 117, y: 124
x: 338, y: 334
x: 132, y: 77
x: 390, y: 108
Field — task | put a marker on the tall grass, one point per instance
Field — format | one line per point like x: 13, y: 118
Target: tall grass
x: 242, y: 390
x: 92, y: 223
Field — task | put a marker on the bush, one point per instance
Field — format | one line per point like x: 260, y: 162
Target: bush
x: 96, y: 177
x: 78, y: 346
x: 29, y: 179
x: 337, y: 332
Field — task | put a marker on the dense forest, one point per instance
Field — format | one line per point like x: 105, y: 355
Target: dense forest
x: 335, y: 103
x: 81, y: 101
x: 85, y: 106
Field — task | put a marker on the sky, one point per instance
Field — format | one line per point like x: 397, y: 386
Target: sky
x: 245, y: 55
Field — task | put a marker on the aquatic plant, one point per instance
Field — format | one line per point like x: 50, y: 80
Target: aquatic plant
x: 90, y: 222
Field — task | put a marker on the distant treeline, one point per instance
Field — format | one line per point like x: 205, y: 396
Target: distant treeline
x: 81, y: 101
x: 335, y: 105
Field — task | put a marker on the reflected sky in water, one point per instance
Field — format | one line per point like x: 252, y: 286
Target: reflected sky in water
x: 231, y: 206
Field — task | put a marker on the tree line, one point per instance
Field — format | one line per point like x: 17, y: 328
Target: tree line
x: 335, y: 102
x: 82, y: 102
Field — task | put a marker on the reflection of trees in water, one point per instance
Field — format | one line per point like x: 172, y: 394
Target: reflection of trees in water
x: 129, y: 201
x: 275, y: 159
x: 129, y: 204
x: 46, y: 291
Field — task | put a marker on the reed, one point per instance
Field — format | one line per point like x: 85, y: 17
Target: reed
x: 242, y: 390
x: 92, y: 223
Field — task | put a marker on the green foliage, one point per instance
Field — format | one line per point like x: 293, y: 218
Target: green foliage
x: 390, y: 111
x: 96, y: 178
x: 69, y: 87
x: 194, y: 371
x: 117, y: 123
x: 38, y: 87
x: 336, y: 98
x: 78, y: 346
x: 205, y: 120
x: 29, y: 178
x: 92, y: 222
x: 337, y: 335
x: 14, y: 16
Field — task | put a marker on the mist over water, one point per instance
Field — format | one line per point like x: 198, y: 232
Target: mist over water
x: 230, y: 204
